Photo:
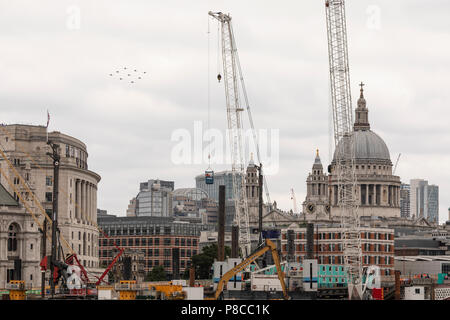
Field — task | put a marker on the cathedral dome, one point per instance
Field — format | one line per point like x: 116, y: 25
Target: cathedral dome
x: 368, y: 146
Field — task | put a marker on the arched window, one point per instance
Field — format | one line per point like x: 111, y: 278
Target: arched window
x: 12, y: 237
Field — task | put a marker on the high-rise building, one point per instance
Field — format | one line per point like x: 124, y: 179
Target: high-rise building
x: 224, y: 178
x: 405, y: 208
x: 155, y: 199
x: 424, y: 199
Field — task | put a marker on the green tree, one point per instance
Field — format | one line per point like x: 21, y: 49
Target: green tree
x: 156, y: 274
x: 204, y: 261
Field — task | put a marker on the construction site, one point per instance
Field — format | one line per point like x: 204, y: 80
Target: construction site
x: 263, y: 264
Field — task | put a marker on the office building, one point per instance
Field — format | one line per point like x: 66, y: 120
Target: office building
x: 154, y: 199
x: 424, y: 200
x: 405, y: 207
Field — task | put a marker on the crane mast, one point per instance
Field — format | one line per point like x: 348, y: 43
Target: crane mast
x: 234, y: 118
x: 294, y: 200
x: 344, y: 169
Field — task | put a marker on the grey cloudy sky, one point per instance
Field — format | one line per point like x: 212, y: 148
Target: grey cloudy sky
x: 400, y: 49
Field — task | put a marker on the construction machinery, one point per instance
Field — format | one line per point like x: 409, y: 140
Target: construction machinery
x: 16, y: 289
x: 266, y: 246
x: 294, y: 200
x: 396, y: 163
x: 344, y: 167
x: 127, y: 289
x: 234, y: 119
x: 168, y: 291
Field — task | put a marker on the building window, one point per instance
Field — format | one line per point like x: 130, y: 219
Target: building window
x: 12, y: 237
x: 48, y: 197
x: 48, y: 181
x: 446, y: 268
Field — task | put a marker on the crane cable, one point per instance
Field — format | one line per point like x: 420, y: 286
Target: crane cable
x: 209, y: 97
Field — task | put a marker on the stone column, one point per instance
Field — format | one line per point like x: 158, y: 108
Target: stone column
x: 83, y: 200
x: 91, y: 206
x: 78, y: 200
x: 367, y: 194
x: 95, y: 204
x: 88, y: 202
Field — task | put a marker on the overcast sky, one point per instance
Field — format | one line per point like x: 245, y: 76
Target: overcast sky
x: 58, y: 55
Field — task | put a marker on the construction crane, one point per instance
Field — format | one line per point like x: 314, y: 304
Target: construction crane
x: 344, y: 169
x: 396, y: 163
x: 234, y: 118
x: 268, y: 245
x: 294, y: 200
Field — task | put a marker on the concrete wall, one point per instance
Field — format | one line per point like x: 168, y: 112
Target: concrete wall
x: 418, y: 267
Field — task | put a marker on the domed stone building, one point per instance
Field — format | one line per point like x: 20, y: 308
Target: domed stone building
x: 378, y: 190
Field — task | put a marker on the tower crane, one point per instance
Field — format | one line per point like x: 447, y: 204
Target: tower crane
x: 396, y: 163
x: 294, y: 200
x: 344, y: 169
x: 234, y: 118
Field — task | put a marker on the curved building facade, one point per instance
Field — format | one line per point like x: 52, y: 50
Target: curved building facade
x: 26, y: 148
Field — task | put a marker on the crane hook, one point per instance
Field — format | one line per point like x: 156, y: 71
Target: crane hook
x: 219, y: 77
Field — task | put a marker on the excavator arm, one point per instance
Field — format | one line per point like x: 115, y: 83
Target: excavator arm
x: 269, y: 245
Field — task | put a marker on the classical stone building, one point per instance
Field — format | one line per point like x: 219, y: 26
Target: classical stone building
x: 378, y: 190
x: 26, y: 148
x: 19, y: 243
x: 316, y: 204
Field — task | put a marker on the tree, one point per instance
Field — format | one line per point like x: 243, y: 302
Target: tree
x: 203, y: 262
x: 156, y: 274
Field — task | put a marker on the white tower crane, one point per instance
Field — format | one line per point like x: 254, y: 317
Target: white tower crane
x: 344, y: 168
x: 234, y: 109
x: 396, y: 163
x: 294, y: 200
